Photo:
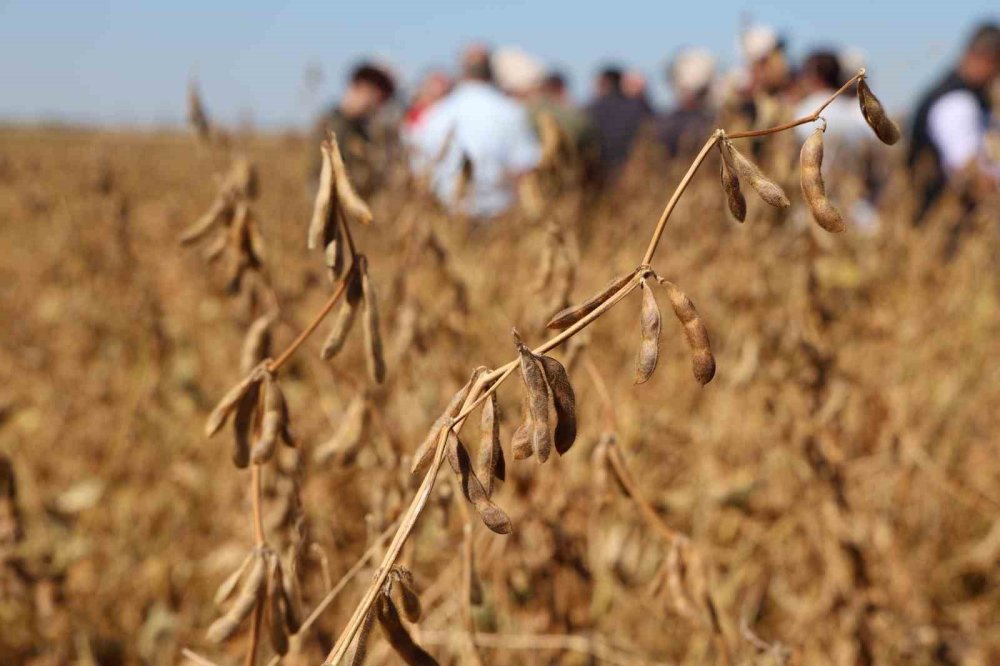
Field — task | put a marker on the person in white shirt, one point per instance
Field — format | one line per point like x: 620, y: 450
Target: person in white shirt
x: 477, y: 125
x: 948, y: 140
x: 821, y: 76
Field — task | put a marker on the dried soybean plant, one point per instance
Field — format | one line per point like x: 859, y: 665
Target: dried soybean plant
x: 548, y: 407
x: 266, y: 586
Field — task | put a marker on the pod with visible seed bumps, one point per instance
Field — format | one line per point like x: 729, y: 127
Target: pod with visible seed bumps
x: 425, y: 452
x: 248, y: 597
x: 702, y: 361
x: 273, y: 421
x: 325, y: 200
x: 885, y: 129
x: 458, y: 457
x: 220, y: 414
x: 571, y: 315
x: 731, y: 186
x: 649, y: 346
x: 811, y: 177
x: 750, y: 173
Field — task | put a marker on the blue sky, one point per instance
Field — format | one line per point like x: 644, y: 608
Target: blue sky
x: 129, y: 62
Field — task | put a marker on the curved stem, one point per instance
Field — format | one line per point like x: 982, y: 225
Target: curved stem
x: 313, y: 325
x: 812, y: 117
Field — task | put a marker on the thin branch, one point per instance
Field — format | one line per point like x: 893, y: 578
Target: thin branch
x: 313, y: 325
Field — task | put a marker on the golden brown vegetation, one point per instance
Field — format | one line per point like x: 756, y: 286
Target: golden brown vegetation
x: 829, y: 497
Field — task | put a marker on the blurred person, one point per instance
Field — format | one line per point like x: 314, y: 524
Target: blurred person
x: 617, y: 119
x: 685, y: 127
x: 553, y: 98
x: 517, y: 73
x: 479, y: 126
x: 369, y: 88
x: 634, y: 85
x: 949, y: 129
x: 821, y: 77
x: 768, y: 75
x: 433, y: 87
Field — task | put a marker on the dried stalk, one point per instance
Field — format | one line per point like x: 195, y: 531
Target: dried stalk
x: 490, y: 382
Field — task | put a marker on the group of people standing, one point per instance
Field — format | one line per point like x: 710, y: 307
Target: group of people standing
x: 485, y: 120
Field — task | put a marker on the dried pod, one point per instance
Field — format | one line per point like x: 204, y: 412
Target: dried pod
x: 373, y: 339
x: 275, y: 611
x: 292, y: 598
x: 347, y: 439
x: 492, y: 515
x: 222, y: 411
x: 702, y: 361
x: 541, y: 403
x: 248, y: 597
x: 325, y: 203
x: 344, y: 319
x: 749, y: 172
x: 273, y: 421
x: 811, y: 177
x: 214, y: 251
x: 397, y: 635
x: 228, y: 586
x: 221, y: 211
x: 885, y: 129
x: 353, y: 205
x: 731, y: 186
x: 405, y: 593
x: 571, y: 315
x: 257, y: 343
x: 247, y: 411
x: 333, y: 247
x: 649, y: 345
x: 564, y: 401
x: 491, y: 462
x: 425, y: 452
x: 520, y: 441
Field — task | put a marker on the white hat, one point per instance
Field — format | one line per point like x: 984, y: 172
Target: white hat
x: 692, y: 70
x: 758, y: 41
x: 851, y: 60
x: 515, y: 70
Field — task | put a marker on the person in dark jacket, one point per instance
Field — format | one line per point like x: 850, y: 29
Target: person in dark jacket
x: 684, y: 128
x: 950, y: 125
x: 617, y: 118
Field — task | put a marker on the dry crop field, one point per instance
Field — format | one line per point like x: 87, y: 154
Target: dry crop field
x: 831, y: 496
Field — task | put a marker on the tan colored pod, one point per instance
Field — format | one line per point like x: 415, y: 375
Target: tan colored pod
x: 374, y: 355
x: 225, y: 407
x: 406, y: 593
x: 885, y: 129
x: 248, y: 597
x: 811, y: 179
x: 245, y: 421
x: 273, y: 421
x: 344, y: 319
x: 425, y: 452
x: 702, y: 361
x: 325, y: 200
x: 354, y: 206
x: 649, y: 345
x: 228, y: 586
x: 750, y: 173
x: 731, y: 186
x: 256, y: 344
x: 569, y: 316
x: 277, y: 631
x: 492, y: 516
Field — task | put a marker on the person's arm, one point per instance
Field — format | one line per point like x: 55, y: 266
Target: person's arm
x: 525, y: 149
x: 955, y: 125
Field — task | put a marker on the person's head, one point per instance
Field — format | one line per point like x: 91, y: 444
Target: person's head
x: 517, y: 72
x: 433, y: 86
x: 634, y: 84
x: 980, y: 63
x: 764, y: 51
x: 554, y: 86
x: 609, y: 81
x: 476, y: 63
x: 370, y: 86
x: 821, y: 71
x: 691, y: 74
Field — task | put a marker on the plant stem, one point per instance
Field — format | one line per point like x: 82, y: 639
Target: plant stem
x: 491, y: 381
x: 313, y: 325
x: 804, y: 119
